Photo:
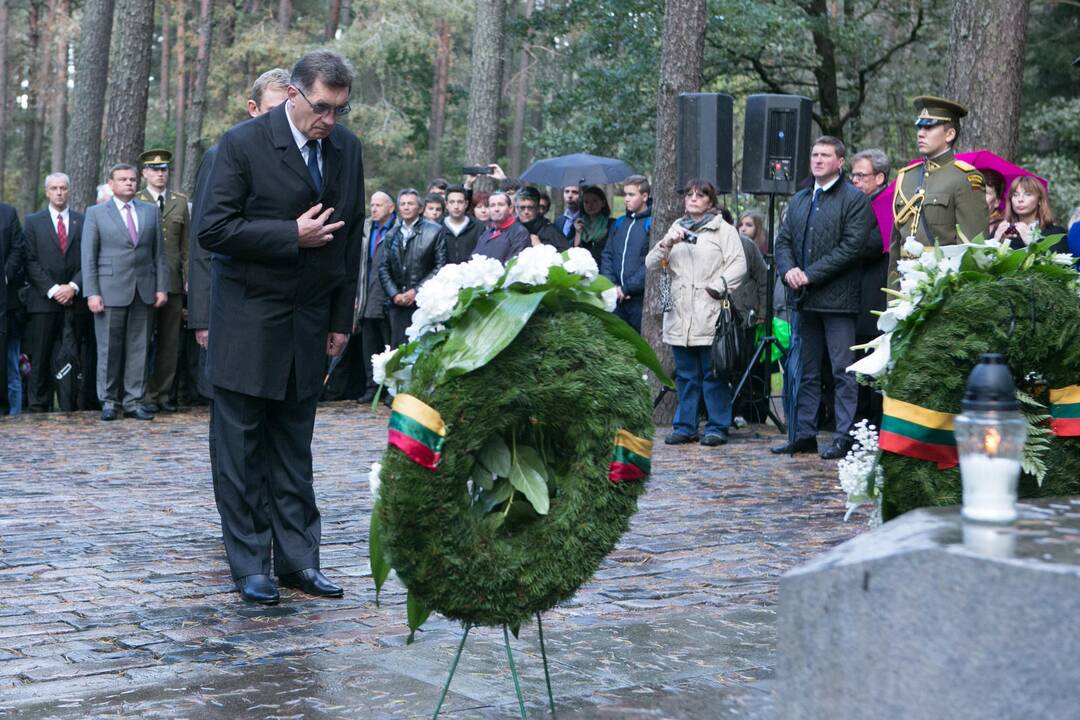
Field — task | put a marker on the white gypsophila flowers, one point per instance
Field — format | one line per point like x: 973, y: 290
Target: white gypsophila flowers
x: 581, y: 262
x: 532, y: 264
x: 860, y: 474
x: 374, y: 480
x: 610, y: 298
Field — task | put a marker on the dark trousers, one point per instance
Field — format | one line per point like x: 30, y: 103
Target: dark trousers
x: 349, y: 378
x: 374, y: 337
x: 399, y: 319
x: 630, y: 311
x: 833, y: 333
x: 43, y: 331
x: 264, y: 490
x: 694, y: 380
x: 168, y: 323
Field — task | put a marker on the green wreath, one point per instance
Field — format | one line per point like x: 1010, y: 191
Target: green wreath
x: 567, y: 385
x: 1033, y: 317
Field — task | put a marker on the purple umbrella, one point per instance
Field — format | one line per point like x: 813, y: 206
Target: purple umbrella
x: 981, y: 159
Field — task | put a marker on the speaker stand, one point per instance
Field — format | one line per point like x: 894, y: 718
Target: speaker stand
x: 767, y: 343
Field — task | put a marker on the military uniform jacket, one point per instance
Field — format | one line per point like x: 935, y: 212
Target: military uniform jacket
x: 175, y: 227
x: 951, y: 195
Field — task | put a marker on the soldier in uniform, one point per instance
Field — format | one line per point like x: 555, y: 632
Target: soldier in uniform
x: 938, y: 200
x: 168, y: 320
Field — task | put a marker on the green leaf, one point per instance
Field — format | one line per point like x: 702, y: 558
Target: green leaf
x: 377, y: 556
x: 531, y: 457
x: 559, y: 278
x: 618, y: 328
x: 490, y: 499
x: 417, y: 613
x: 528, y: 478
x: 495, y: 456
x: 490, y: 324
x: 599, y: 284
x: 481, y: 477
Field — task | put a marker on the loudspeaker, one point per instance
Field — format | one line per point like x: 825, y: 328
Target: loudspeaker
x: 776, y: 144
x: 703, y: 146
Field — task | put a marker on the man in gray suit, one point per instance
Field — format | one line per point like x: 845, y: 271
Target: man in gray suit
x: 123, y: 264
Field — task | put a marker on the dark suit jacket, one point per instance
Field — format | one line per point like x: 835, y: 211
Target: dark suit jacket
x: 45, y: 265
x: 111, y: 266
x: 199, y: 260
x: 11, y: 260
x: 272, y: 303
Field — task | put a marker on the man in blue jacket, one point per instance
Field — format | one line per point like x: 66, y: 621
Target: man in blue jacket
x: 623, y: 259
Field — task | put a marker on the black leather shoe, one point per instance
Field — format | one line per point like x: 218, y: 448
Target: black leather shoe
x: 139, y: 413
x: 151, y: 407
x: 677, y: 438
x: 169, y: 406
x: 714, y: 439
x: 387, y: 400
x: 312, y: 582
x: 109, y: 413
x: 258, y: 589
x: 803, y: 446
x: 838, y: 449
x: 366, y: 398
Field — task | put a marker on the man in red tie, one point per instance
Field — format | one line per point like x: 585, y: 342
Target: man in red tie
x: 124, y: 278
x: 53, y: 268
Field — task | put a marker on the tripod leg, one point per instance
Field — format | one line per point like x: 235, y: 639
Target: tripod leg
x: 513, y: 673
x: 453, y: 668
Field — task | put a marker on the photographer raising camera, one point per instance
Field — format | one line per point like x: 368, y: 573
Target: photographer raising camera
x: 702, y: 257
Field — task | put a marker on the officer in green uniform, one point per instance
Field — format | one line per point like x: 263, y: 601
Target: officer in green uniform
x: 939, y: 194
x: 168, y: 319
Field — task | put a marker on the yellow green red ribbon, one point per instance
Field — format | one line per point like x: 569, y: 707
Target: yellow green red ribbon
x: 1065, y: 411
x: 917, y: 432
x: 631, y: 458
x: 417, y: 430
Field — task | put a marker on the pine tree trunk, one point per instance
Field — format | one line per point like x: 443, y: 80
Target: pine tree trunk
x: 129, y: 82
x: 333, y: 17
x: 682, y: 57
x: 88, y: 102
x: 180, y: 105
x: 521, y: 96
x: 4, y: 102
x: 284, y: 15
x: 438, y: 100
x: 60, y: 25
x: 33, y: 134
x: 485, y: 86
x: 198, y: 99
x: 166, y: 51
x: 987, y: 40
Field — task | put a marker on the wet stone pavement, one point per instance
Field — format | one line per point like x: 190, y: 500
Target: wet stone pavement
x: 115, y: 599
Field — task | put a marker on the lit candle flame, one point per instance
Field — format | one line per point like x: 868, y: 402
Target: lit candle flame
x: 991, y: 440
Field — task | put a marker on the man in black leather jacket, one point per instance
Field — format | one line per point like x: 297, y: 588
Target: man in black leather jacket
x: 415, y: 250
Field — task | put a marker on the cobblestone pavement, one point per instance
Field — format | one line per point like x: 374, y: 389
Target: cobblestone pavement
x: 115, y: 599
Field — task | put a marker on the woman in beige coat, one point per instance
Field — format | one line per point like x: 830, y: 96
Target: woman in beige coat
x: 699, y: 269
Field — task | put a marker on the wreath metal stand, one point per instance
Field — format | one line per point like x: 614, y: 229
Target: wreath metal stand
x: 513, y: 669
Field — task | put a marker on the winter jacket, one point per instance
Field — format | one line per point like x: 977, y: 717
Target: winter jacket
x: 623, y: 258
x: 460, y: 247
x: 717, y: 257
x: 751, y: 294
x: 408, y: 263
x: 503, y: 244
x: 829, y: 246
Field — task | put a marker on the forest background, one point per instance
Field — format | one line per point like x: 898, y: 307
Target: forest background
x: 442, y: 83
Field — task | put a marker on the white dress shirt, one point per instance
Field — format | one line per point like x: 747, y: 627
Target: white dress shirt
x: 123, y: 213
x: 54, y: 214
x: 302, y: 140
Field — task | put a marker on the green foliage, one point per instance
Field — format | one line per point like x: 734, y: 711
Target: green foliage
x: 583, y: 386
x: 1034, y: 319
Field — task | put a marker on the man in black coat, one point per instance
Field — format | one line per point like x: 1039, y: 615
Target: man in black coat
x: 12, y: 263
x: 54, y: 270
x: 414, y: 250
x: 284, y: 216
x: 819, y: 251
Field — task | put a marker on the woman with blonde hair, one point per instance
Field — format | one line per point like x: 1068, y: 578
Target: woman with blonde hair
x: 1028, y: 209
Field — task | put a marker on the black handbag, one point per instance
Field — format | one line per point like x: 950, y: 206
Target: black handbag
x: 728, y: 352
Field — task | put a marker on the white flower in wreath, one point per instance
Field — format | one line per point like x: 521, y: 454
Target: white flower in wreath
x: 610, y: 298
x: 481, y: 272
x: 877, y: 362
x: 581, y: 262
x: 1064, y: 259
x: 913, y: 248
x: 373, y: 479
x: 396, y: 380
x: 436, y: 300
x: 532, y: 264
x: 954, y: 255
x: 911, y: 280
x: 896, y: 314
x: 928, y: 261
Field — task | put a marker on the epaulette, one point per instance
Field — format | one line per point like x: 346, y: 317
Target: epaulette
x: 966, y: 167
x: 912, y: 166
x: 179, y: 195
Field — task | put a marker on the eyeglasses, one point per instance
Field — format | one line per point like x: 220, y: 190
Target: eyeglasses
x: 863, y: 176
x: 324, y: 109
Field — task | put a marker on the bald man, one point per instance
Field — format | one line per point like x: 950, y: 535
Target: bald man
x: 370, y: 317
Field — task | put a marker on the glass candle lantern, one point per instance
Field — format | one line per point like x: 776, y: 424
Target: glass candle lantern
x: 990, y: 434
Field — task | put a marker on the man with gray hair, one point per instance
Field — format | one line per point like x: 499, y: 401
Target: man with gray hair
x: 870, y: 174
x: 284, y: 214
x: 54, y: 270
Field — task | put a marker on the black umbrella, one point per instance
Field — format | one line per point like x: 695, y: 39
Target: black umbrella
x: 577, y: 169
